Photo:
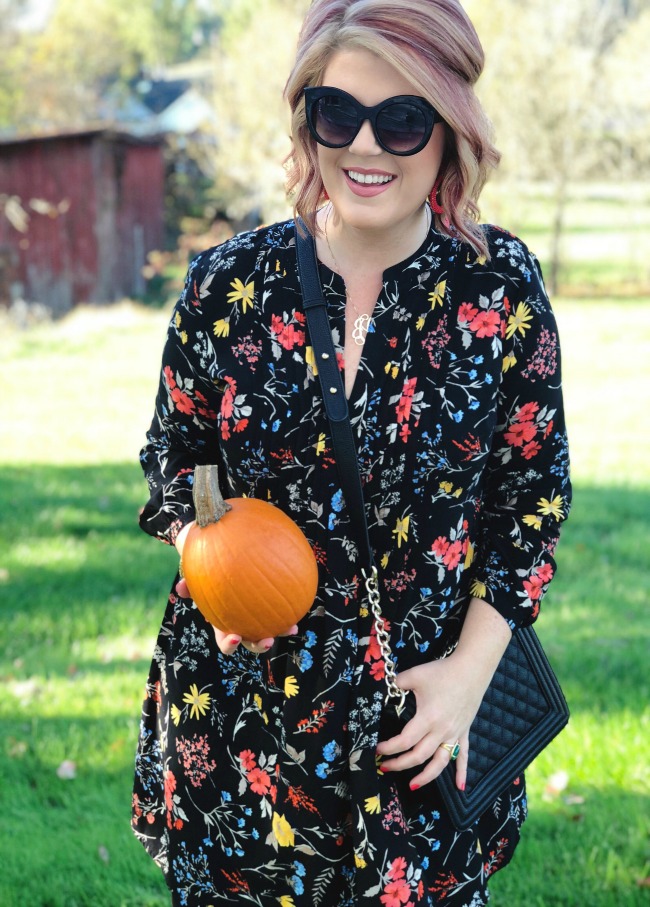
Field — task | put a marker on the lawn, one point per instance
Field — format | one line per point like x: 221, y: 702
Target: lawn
x: 83, y: 594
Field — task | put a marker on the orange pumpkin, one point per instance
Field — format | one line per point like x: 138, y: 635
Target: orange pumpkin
x: 247, y: 565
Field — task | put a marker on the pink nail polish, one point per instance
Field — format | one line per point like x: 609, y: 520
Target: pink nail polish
x: 384, y: 768
x: 234, y: 641
x: 461, y: 786
x: 414, y: 786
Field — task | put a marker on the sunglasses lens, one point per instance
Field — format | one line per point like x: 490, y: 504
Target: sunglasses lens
x: 335, y: 120
x: 401, y: 127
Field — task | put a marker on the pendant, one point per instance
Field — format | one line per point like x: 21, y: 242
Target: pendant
x: 361, y: 328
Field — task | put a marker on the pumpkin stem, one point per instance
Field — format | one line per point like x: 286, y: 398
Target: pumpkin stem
x: 208, y: 500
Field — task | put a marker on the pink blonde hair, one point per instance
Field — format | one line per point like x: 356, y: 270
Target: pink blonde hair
x: 434, y: 45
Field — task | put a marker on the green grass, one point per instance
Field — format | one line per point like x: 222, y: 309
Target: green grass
x: 82, y: 595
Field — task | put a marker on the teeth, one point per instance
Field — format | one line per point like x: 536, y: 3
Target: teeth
x: 368, y: 178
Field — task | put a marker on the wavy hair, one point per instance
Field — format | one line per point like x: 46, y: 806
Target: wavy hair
x: 434, y: 45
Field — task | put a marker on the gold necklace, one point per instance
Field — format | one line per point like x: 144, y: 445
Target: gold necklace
x: 361, y: 322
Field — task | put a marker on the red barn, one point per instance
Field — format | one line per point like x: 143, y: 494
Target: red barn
x: 78, y: 214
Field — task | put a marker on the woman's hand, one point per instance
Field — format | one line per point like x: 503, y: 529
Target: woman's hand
x: 227, y: 642
x: 448, y: 694
x: 447, y: 697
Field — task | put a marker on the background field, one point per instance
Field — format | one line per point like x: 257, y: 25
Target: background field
x: 82, y: 594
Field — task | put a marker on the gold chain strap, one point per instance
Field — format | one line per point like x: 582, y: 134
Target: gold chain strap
x: 383, y: 638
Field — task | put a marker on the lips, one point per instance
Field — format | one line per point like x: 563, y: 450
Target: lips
x: 369, y: 179
x: 368, y: 183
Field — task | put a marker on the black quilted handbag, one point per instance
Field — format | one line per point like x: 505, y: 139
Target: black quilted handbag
x: 522, y: 711
x: 523, y: 708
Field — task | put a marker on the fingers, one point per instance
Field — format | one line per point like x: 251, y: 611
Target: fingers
x: 409, y: 750
x: 182, y: 589
x: 227, y: 642
x: 461, y: 763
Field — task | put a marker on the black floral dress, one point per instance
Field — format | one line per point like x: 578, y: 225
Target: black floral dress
x: 256, y: 777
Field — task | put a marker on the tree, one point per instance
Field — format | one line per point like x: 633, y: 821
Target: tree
x: 252, y: 61
x: 548, y: 87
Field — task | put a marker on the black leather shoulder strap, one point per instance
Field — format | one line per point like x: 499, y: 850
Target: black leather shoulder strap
x: 336, y: 405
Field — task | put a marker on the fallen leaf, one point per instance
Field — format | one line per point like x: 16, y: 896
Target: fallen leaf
x: 644, y: 883
x: 17, y: 748
x: 67, y: 770
x: 556, y: 784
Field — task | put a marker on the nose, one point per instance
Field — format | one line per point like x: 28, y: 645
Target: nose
x: 365, y: 142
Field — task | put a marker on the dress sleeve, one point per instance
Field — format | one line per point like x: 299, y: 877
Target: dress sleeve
x: 527, y: 491
x: 183, y: 431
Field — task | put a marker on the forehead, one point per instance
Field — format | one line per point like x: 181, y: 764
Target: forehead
x: 365, y: 76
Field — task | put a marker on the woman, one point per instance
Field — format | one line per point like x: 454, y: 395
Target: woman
x: 262, y: 776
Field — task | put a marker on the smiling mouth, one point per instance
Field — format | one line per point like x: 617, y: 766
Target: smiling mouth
x: 369, y: 179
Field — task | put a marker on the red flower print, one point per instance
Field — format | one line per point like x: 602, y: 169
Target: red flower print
x: 248, y: 760
x: 378, y: 670
x: 397, y: 868
x: 549, y: 429
x: 452, y: 555
x: 485, y: 324
x: 467, y: 312
x: 531, y: 450
x: 526, y: 412
x: 406, y: 400
x: 288, y: 336
x: 534, y: 587
x: 396, y: 893
x: 440, y: 546
x: 170, y: 787
x: 169, y: 378
x: 259, y: 781
x: 545, y: 573
x: 520, y: 433
x: 183, y: 402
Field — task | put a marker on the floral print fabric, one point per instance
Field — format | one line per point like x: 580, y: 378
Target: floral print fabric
x: 256, y: 776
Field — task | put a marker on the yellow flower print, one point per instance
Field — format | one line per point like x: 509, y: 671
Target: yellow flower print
x: 373, y: 806
x: 222, y: 327
x: 446, y: 486
x: 384, y: 561
x: 458, y: 492
x: 310, y: 359
x: 291, y: 687
x: 419, y: 324
x: 287, y: 901
x: 469, y: 557
x: 283, y: 831
x: 257, y: 699
x: 320, y: 445
x: 359, y: 862
x: 533, y: 520
x: 177, y: 319
x: 481, y: 260
x: 200, y: 702
x: 509, y: 362
x: 184, y: 337
x: 551, y: 508
x: 176, y: 715
x: 243, y: 293
x: 519, y: 320
x: 478, y: 589
x: 401, y: 530
x: 438, y: 295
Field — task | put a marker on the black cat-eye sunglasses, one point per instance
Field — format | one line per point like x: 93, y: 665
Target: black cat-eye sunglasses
x: 402, y: 125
